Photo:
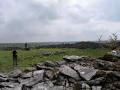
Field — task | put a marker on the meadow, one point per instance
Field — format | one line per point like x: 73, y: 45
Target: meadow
x: 34, y: 56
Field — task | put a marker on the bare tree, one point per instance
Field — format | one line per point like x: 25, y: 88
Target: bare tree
x: 113, y: 40
x: 114, y: 37
x: 99, y: 38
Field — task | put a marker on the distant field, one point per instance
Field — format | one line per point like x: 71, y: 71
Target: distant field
x: 28, y: 58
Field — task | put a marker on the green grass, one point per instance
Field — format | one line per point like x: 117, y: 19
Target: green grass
x: 28, y: 58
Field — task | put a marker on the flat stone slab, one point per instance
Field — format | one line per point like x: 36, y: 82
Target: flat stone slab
x: 72, y: 58
x: 69, y: 72
x: 38, y: 73
x: 37, y: 77
x: 86, y: 72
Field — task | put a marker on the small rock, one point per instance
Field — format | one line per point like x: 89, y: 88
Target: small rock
x: 72, y: 58
x: 29, y: 69
x: 49, y: 64
x: 26, y: 75
x: 117, y: 84
x: 57, y: 88
x: 109, y: 57
x: 101, y: 73
x: 59, y: 63
x: 116, y: 74
x: 49, y: 74
x: 3, y: 75
x: 15, y: 73
x: 42, y: 67
x: 104, y: 65
x: 38, y: 73
x: 47, y: 53
x: 85, y: 86
x: 96, y: 87
x: 14, y: 80
x: 31, y: 83
x: 43, y: 86
x: 3, y: 79
x: 109, y: 86
x: 19, y: 87
x: 8, y: 84
x: 38, y: 77
x: 98, y: 81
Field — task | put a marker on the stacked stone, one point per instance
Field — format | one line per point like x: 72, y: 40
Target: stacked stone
x: 72, y: 73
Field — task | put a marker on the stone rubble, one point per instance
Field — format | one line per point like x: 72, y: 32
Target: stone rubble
x: 73, y: 73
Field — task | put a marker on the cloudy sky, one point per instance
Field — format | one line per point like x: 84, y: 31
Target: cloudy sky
x: 58, y: 20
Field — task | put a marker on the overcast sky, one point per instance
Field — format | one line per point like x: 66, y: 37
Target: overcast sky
x: 58, y: 20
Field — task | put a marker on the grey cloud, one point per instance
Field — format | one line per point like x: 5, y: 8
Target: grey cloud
x: 107, y: 10
x: 25, y: 20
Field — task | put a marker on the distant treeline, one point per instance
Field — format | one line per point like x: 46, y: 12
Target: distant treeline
x: 10, y: 46
x: 80, y: 45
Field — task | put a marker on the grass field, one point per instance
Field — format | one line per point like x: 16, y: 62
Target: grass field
x: 28, y: 58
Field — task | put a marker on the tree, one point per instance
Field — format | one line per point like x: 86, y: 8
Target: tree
x: 99, y: 40
x: 113, y: 41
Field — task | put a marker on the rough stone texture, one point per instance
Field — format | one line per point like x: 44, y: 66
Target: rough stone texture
x: 86, y: 72
x: 98, y: 81
x: 117, y: 84
x: 116, y: 53
x: 41, y: 67
x: 59, y: 63
x: 49, y: 64
x: 26, y: 75
x: 15, y: 73
x: 49, y: 74
x: 72, y: 58
x: 19, y: 87
x: 3, y: 79
x: 38, y: 73
x: 104, y: 65
x: 74, y: 73
x: 8, y: 84
x: 109, y: 57
x: 69, y: 72
x: 85, y: 86
x: 116, y: 74
x: 96, y: 88
x: 32, y: 82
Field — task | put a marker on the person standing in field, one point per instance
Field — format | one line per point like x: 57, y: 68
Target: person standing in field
x: 14, y: 57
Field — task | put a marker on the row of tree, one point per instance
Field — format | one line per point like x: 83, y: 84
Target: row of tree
x: 113, y: 43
